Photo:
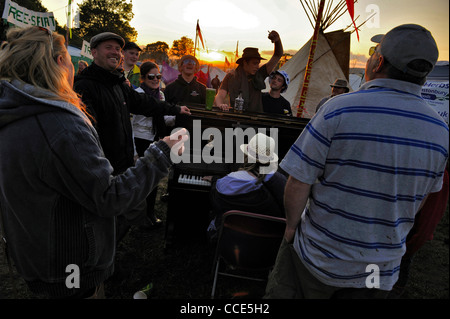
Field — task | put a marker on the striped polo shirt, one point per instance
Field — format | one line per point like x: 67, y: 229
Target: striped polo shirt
x: 371, y: 156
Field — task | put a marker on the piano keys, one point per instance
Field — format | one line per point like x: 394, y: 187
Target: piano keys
x: 193, y: 180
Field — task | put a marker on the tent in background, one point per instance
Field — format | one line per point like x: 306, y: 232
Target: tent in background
x: 76, y: 56
x: 331, y: 61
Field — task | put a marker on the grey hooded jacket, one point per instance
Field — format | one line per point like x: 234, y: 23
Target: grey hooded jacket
x: 58, y: 198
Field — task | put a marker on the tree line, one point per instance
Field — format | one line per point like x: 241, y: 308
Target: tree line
x: 98, y: 16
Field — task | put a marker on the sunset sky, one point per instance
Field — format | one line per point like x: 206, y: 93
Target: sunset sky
x: 224, y: 22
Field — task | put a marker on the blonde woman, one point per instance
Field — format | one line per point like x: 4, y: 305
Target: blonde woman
x: 58, y: 198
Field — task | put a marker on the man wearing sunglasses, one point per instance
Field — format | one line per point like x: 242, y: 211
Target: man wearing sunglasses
x: 186, y: 89
x: 359, y: 174
x: 110, y: 101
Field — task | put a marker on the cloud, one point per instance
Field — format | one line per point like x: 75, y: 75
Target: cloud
x: 219, y: 14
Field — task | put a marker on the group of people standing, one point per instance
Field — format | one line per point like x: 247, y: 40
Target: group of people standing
x: 353, y: 182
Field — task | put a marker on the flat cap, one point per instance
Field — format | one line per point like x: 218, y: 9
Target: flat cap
x: 131, y: 45
x: 105, y: 36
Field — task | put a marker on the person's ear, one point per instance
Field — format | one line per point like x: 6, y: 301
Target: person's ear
x: 60, y: 60
x: 379, y: 66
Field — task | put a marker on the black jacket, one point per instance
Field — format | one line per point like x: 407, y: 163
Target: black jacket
x: 111, y: 101
x: 180, y: 91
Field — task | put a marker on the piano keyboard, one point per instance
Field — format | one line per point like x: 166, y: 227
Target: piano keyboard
x: 192, y: 180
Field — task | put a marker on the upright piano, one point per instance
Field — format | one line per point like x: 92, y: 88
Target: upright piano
x: 188, y: 209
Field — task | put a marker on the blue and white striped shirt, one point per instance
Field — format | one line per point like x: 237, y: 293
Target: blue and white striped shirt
x: 371, y: 156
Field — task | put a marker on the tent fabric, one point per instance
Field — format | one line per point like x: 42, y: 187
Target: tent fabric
x: 325, y: 71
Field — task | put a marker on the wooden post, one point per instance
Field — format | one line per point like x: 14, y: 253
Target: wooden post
x: 312, y: 51
x: 196, y: 39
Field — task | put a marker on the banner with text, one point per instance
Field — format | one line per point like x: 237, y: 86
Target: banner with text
x: 22, y: 17
x: 86, y: 50
x: 435, y: 92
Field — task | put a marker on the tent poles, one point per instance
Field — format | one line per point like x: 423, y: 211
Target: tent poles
x: 312, y: 50
x: 196, y: 39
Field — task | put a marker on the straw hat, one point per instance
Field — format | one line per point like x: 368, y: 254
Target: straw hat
x: 261, y: 148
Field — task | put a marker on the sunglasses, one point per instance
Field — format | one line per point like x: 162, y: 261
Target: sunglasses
x: 50, y: 35
x: 153, y: 76
x: 372, y: 50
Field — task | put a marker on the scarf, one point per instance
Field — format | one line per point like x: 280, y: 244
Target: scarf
x: 240, y: 83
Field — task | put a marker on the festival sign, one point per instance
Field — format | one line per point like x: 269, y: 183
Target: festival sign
x: 22, y: 17
x: 86, y: 50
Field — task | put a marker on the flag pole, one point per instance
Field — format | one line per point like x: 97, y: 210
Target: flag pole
x: 196, y: 39
x: 312, y: 51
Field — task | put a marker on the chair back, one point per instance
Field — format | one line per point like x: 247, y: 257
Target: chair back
x: 250, y: 241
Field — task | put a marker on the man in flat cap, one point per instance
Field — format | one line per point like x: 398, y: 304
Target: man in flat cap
x: 358, y: 175
x: 248, y: 78
x: 339, y: 86
x: 109, y: 100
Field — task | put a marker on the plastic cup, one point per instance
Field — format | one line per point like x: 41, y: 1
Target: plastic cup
x: 144, y: 293
x: 210, y: 95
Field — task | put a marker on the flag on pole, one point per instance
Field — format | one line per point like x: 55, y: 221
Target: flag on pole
x: 199, y: 33
x: 351, y: 10
x: 73, y: 17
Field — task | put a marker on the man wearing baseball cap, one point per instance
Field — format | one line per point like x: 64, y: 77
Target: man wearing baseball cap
x: 109, y: 100
x: 273, y: 101
x: 186, y: 88
x: 359, y: 174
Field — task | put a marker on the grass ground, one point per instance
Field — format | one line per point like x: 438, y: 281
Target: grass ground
x: 185, y: 272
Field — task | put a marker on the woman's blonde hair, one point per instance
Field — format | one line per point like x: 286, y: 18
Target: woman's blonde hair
x: 30, y: 54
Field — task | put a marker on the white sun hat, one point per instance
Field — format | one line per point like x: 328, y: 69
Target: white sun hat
x: 261, y: 148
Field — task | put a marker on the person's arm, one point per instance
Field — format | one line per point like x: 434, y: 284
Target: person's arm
x: 278, y: 51
x: 296, y: 196
x: 144, y: 104
x: 220, y: 100
x: 77, y: 160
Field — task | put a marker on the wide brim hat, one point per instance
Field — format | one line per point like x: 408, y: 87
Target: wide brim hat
x: 261, y: 148
x: 105, y: 36
x: 250, y: 53
x: 340, y: 83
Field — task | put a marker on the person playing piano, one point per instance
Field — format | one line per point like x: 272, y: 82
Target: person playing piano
x: 248, y: 78
x: 257, y: 187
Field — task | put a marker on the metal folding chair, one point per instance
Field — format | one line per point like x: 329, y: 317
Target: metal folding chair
x: 248, y: 243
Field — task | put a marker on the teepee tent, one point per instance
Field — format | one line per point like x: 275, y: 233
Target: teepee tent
x: 325, y: 70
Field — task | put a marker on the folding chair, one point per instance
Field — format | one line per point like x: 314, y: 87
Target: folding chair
x: 249, y: 243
